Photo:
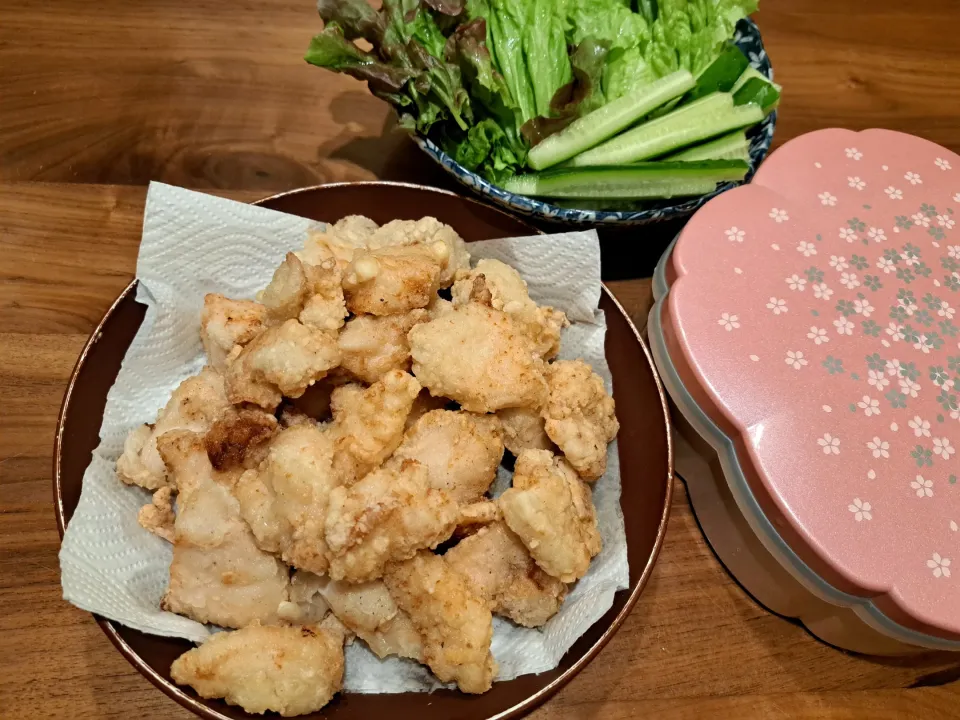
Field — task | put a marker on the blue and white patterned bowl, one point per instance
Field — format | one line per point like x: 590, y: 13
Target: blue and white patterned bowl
x: 747, y: 39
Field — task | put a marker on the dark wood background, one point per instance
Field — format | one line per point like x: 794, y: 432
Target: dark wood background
x: 97, y: 99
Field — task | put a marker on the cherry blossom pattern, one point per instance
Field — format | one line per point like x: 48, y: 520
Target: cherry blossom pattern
x: 876, y: 234
x: 856, y: 183
x: 847, y: 234
x: 853, y: 153
x: 818, y: 335
x: 879, y: 448
x: 920, y: 427
x: 795, y: 359
x: 830, y: 444
x: 821, y: 291
x: 945, y: 221
x: 807, y: 248
x: 843, y: 326
x: 795, y: 282
x: 943, y: 448
x: 849, y: 280
x: 860, y: 509
x: 871, y: 475
x: 893, y: 193
x: 838, y: 262
x: 735, y: 234
x: 778, y: 215
x: 729, y: 321
x: 913, y: 178
x: 943, y: 164
x: 920, y: 220
x: 923, y: 487
x: 939, y: 565
x: 953, y: 251
x: 877, y: 379
x: 870, y: 406
x: 893, y: 367
x: 887, y: 265
x: 909, y: 387
x: 827, y: 199
x: 777, y: 306
x: 956, y: 198
x: 863, y: 307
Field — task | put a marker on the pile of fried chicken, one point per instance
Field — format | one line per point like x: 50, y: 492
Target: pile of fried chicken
x: 349, y: 423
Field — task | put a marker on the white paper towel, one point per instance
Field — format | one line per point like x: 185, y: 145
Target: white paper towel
x: 194, y: 244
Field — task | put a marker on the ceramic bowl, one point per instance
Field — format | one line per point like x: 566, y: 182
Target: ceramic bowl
x: 749, y: 40
x: 645, y: 459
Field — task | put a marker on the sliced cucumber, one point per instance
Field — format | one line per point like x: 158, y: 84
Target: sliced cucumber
x: 605, y: 122
x: 701, y: 120
x: 720, y: 75
x: 748, y: 74
x: 760, y: 92
x: 642, y: 181
x: 734, y: 146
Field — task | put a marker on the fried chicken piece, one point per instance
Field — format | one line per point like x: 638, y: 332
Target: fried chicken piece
x: 225, y: 323
x: 480, y: 358
x: 424, y: 403
x: 393, y: 280
x: 239, y: 438
x: 306, y: 606
x: 456, y: 626
x: 460, y: 450
x: 339, y: 241
x: 312, y: 293
x: 368, y: 422
x: 501, y: 287
x: 196, y: 403
x: 284, y: 360
x: 387, y: 515
x: 218, y: 574
x: 289, y: 670
x: 483, y: 512
x: 284, y: 501
x: 368, y: 611
x: 523, y: 429
x: 371, y: 346
x: 158, y: 516
x: 579, y: 416
x: 425, y: 231
x: 499, y: 569
x: 551, y: 510
x: 325, y: 307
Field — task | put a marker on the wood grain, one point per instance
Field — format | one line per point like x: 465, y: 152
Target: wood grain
x: 97, y: 99
x: 209, y: 94
x: 695, y: 646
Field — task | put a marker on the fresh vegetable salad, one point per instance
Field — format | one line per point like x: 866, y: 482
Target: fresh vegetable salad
x: 593, y: 102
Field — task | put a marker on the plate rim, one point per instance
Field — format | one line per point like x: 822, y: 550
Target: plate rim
x: 519, y: 709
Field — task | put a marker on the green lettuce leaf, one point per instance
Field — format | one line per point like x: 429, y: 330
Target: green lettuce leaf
x: 609, y: 21
x: 545, y: 51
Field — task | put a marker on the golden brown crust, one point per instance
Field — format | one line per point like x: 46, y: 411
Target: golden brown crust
x: 234, y: 440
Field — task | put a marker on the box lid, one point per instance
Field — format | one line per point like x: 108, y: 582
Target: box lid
x: 814, y: 315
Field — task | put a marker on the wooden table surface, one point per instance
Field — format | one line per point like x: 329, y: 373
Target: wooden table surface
x: 97, y: 99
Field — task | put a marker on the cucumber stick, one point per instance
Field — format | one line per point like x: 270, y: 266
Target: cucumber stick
x: 642, y: 181
x: 605, y: 122
x: 749, y: 74
x: 700, y: 120
x: 734, y: 146
x: 722, y: 74
x: 760, y: 92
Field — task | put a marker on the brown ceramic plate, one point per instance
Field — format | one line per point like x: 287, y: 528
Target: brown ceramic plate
x: 645, y: 460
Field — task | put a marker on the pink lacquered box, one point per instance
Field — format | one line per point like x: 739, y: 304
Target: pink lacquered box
x: 807, y: 328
